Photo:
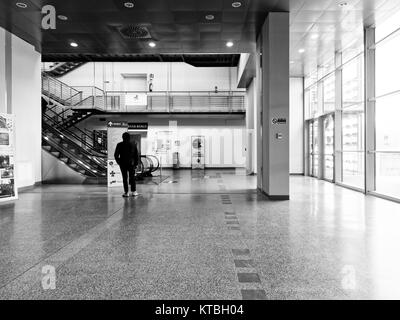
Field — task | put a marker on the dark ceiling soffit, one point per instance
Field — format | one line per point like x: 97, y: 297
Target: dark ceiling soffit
x: 198, y: 60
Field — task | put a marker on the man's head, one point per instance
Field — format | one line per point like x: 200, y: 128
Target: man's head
x: 126, y: 137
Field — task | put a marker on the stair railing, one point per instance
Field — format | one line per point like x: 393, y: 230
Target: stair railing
x: 60, y: 91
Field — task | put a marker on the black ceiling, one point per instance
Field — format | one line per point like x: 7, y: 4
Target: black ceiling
x: 197, y: 60
x: 176, y: 26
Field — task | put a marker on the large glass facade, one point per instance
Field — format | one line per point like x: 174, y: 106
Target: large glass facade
x: 344, y: 125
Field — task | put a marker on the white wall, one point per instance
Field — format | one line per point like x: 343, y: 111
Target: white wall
x: 296, y: 126
x: 26, y: 106
x: 224, y: 139
x: 175, y: 76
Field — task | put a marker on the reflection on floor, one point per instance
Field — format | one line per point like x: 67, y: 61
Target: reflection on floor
x: 204, y: 236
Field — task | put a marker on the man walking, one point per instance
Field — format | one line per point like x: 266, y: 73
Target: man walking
x: 127, y: 156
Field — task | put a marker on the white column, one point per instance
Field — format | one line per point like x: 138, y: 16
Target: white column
x: 275, y: 106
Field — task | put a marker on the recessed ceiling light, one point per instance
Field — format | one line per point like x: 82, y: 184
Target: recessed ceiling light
x: 315, y: 36
x: 73, y: 44
x: 129, y: 5
x: 229, y: 44
x: 343, y: 4
x: 21, y: 5
x: 236, y: 4
x: 61, y: 17
x: 292, y: 62
x: 152, y: 44
x: 302, y: 50
x: 210, y: 17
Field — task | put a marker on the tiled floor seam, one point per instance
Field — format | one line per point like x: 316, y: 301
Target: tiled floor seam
x: 248, y: 279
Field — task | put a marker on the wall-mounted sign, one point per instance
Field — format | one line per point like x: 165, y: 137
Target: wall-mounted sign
x: 136, y: 99
x: 138, y: 126
x: 8, y: 190
x: 279, y: 121
x: 117, y: 124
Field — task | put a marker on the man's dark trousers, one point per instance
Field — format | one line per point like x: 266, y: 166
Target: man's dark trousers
x: 128, y: 170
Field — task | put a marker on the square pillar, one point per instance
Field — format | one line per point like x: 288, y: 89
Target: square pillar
x: 274, y: 131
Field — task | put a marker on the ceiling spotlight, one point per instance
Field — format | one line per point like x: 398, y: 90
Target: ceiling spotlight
x: 343, y: 4
x: 229, y: 44
x: 236, y: 4
x: 210, y: 17
x: 315, y: 36
x: 302, y: 50
x: 21, y: 5
x: 292, y: 62
x: 152, y: 44
x: 61, y: 17
x: 129, y: 5
x: 73, y: 44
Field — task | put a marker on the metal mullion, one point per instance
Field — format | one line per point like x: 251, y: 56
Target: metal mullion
x: 370, y: 106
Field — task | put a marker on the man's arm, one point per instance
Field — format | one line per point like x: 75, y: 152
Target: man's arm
x: 117, y: 154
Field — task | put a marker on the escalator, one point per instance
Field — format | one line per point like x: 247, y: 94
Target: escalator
x: 64, y: 148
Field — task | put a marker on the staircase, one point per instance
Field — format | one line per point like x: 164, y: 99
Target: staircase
x: 59, y: 69
x: 62, y: 138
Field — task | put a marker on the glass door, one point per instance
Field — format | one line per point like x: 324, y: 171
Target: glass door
x: 314, y: 148
x: 329, y: 149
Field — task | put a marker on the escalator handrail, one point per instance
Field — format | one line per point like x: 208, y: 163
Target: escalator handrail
x: 69, y: 141
x: 70, y: 156
x: 75, y: 136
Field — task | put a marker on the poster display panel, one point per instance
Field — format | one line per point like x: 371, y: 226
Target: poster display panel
x: 8, y: 190
x: 114, y: 136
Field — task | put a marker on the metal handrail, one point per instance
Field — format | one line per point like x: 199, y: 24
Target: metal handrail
x: 177, y: 101
x: 87, y: 155
x: 68, y: 132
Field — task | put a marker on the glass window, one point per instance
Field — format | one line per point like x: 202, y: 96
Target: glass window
x: 329, y: 147
x: 387, y: 161
x: 315, y: 160
x: 387, y: 24
x: 353, y: 82
x: 307, y: 112
x: 387, y: 66
x: 353, y: 126
x: 353, y: 123
x: 329, y: 94
x: 314, y: 101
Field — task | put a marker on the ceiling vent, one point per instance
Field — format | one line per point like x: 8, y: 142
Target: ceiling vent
x: 134, y: 31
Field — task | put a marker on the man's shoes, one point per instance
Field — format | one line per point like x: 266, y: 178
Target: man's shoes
x: 134, y: 194
x: 125, y: 195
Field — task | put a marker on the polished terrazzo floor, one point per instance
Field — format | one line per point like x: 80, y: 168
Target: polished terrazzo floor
x: 200, y: 236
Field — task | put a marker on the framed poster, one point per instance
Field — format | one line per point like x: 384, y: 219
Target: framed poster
x: 8, y: 190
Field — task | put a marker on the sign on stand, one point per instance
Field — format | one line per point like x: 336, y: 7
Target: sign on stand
x: 114, y: 136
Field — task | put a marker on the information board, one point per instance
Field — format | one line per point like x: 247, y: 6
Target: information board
x: 8, y: 190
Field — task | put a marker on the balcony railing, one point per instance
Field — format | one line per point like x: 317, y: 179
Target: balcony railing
x: 162, y: 101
